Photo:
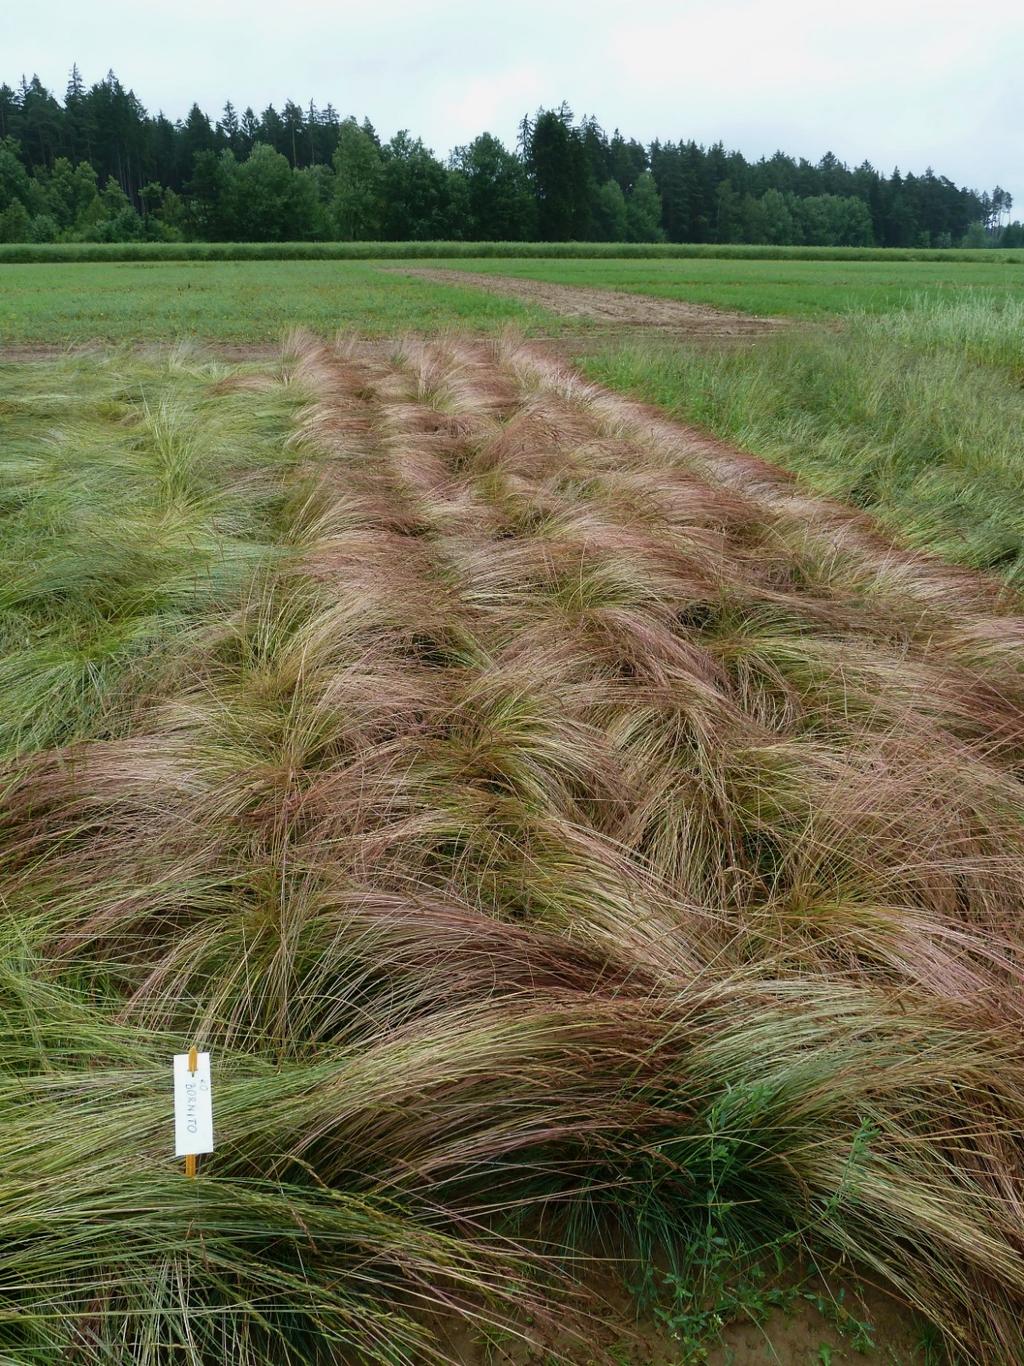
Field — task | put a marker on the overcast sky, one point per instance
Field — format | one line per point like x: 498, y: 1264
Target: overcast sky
x: 900, y: 82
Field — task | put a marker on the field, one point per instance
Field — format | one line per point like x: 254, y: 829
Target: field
x: 254, y: 301
x: 591, y: 853
x: 803, y: 287
x: 228, y: 301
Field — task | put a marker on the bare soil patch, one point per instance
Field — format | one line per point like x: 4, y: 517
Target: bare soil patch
x: 611, y: 307
x: 805, y: 1333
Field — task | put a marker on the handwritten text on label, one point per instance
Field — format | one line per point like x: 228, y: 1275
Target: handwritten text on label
x: 193, y: 1106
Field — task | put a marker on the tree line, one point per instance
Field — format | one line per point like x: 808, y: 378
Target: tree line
x: 98, y: 167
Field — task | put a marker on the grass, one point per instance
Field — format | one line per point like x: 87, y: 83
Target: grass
x: 255, y: 301
x: 801, y: 286
x: 36, y: 253
x: 230, y: 301
x: 134, y: 503
x: 914, y: 416
x: 569, y: 838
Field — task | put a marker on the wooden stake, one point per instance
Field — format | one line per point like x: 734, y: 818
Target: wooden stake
x: 190, y: 1160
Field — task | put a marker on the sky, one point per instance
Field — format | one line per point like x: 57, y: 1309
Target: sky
x: 911, y: 83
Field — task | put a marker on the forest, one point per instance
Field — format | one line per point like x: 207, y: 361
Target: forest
x: 97, y: 167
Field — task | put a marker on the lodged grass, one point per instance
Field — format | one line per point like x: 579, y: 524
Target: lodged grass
x: 133, y: 503
x: 571, y: 839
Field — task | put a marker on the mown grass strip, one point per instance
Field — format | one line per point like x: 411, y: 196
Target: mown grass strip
x: 798, y: 288
x: 235, y: 301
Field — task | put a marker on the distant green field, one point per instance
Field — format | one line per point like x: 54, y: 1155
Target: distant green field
x: 806, y: 288
x: 231, y: 301
x: 255, y: 301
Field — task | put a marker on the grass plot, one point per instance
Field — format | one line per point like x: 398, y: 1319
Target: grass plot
x: 572, y: 839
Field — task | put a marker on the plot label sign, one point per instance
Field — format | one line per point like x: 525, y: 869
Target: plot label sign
x: 193, y: 1105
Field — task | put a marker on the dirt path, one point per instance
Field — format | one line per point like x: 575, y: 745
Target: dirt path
x: 612, y: 307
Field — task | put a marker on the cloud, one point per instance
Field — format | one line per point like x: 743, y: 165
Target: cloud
x: 495, y: 101
x: 894, y: 81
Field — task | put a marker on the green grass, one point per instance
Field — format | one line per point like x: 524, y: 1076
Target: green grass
x: 799, y: 287
x: 29, y: 253
x: 231, y: 301
x: 256, y: 301
x: 134, y: 504
x: 915, y: 416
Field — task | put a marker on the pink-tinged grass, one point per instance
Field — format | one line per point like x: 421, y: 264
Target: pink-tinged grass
x: 574, y: 839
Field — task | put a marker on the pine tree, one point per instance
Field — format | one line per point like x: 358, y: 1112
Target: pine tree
x: 42, y: 122
x: 229, y: 127
x: 10, y: 113
x: 77, y: 138
x: 250, y: 130
x: 293, y: 125
x: 626, y: 161
x: 554, y: 160
x: 312, y: 129
x: 330, y: 124
x: 272, y: 130
x: 673, y: 181
x: 197, y: 137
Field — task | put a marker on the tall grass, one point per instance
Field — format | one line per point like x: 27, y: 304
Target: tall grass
x: 132, y: 504
x: 27, y: 253
x: 975, y: 326
x: 575, y: 840
x: 914, y: 416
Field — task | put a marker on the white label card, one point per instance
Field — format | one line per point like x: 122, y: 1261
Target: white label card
x: 193, y: 1106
